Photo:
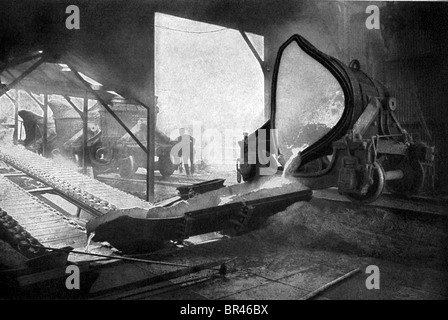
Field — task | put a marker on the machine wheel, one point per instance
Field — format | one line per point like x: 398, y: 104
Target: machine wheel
x: 101, y: 160
x: 56, y: 152
x: 375, y: 190
x: 166, y: 167
x: 127, y: 167
x: 413, y: 176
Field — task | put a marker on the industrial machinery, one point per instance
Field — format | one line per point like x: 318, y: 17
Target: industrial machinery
x: 109, y: 149
x: 330, y: 126
x: 129, y: 223
x: 334, y: 126
x: 64, y: 136
x: 122, y: 154
x: 33, y: 124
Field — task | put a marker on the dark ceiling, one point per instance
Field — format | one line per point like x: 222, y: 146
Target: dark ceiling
x: 113, y: 43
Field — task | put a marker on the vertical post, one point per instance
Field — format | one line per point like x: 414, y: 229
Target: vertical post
x: 151, y: 123
x: 85, y: 120
x: 78, y: 212
x: 267, y: 75
x: 45, y: 126
x: 15, y: 137
x: 265, y: 67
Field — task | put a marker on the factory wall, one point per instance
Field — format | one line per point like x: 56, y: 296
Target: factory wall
x: 407, y: 54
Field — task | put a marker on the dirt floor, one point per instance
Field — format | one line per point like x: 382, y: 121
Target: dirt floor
x: 299, y: 250
x: 312, y: 244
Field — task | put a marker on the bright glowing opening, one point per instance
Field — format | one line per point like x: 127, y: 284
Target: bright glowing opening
x: 208, y: 78
x: 309, y: 101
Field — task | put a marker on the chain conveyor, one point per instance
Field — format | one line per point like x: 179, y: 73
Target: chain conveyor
x: 28, y: 220
x: 81, y: 189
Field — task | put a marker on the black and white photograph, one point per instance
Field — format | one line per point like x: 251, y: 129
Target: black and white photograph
x: 223, y: 154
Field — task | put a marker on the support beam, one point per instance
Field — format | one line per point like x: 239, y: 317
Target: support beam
x: 141, y: 103
x: 106, y: 106
x: 367, y: 117
x: 6, y: 88
x: 10, y: 98
x: 263, y: 65
x: 270, y: 50
x: 136, y: 100
x: 15, y: 137
x: 151, y: 116
x: 10, y: 74
x: 45, y: 127
x: 16, y: 115
x: 69, y: 100
x: 18, y: 61
x: 85, y: 120
x: 40, y: 104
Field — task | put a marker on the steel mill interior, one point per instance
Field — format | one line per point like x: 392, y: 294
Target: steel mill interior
x: 223, y: 150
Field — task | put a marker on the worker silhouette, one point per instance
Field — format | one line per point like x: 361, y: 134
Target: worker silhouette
x: 186, y: 151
